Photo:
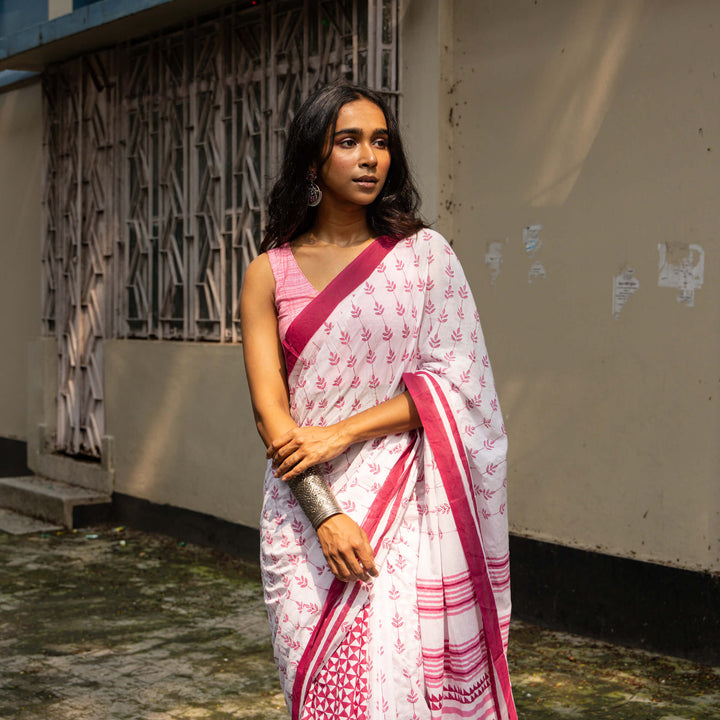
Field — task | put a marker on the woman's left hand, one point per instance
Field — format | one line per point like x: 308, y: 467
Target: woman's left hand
x: 303, y: 447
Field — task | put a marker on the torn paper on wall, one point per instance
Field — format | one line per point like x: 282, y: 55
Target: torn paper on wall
x: 536, y: 271
x: 531, y: 239
x: 624, y: 285
x: 681, y: 266
x: 493, y: 259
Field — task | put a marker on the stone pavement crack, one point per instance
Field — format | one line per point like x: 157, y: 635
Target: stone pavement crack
x: 114, y: 624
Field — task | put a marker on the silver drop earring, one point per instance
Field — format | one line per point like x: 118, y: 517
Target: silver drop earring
x: 314, y: 192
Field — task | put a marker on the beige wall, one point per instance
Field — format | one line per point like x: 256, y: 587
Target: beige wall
x: 598, y: 121
x: 182, y: 427
x: 20, y: 206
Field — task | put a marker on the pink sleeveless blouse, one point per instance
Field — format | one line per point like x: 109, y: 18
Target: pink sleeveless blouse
x: 293, y: 290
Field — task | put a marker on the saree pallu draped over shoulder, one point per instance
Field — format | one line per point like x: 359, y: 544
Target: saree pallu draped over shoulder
x: 427, y: 638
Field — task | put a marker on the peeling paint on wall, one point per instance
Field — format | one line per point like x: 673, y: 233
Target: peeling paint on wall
x: 537, y: 271
x: 494, y: 258
x: 681, y: 266
x: 624, y: 285
x: 532, y: 244
x: 531, y: 239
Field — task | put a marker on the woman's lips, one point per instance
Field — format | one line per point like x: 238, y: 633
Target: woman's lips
x: 366, y: 181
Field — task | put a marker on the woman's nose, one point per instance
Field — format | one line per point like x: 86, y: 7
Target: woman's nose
x: 368, y: 158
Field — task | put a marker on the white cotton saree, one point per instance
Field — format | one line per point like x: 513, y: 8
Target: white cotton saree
x: 427, y: 638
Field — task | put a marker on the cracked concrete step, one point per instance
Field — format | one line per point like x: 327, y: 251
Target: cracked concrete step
x: 14, y: 523
x: 49, y: 500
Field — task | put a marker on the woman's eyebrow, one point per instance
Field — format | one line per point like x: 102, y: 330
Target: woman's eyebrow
x: 357, y: 131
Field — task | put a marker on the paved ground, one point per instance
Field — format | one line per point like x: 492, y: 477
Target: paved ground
x: 113, y: 624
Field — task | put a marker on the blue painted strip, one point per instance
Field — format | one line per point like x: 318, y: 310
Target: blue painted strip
x: 10, y: 77
x: 80, y: 20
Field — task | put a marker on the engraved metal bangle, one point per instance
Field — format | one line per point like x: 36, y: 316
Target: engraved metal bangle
x: 312, y: 491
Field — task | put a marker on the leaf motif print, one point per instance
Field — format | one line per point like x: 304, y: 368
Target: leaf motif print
x: 379, y: 309
x: 302, y: 581
x: 366, y: 335
x: 374, y: 382
x: 355, y: 382
x: 399, y: 646
x: 381, y: 267
x: 371, y: 357
x: 409, y: 286
x: 387, y: 335
x: 328, y: 326
x: 394, y: 593
x: 309, y: 404
x: 442, y: 317
x: 356, y: 312
x: 494, y: 404
x: 485, y: 361
x: 456, y: 335
x: 320, y: 383
x: 338, y: 381
x: 368, y: 288
x: 357, y: 403
x: 434, y: 341
x: 412, y: 697
x: 449, y: 293
x: 334, y: 358
x: 351, y: 361
x: 450, y: 356
x: 430, y: 284
x: 421, y: 285
x: 397, y: 621
x: 449, y: 271
x: 399, y: 265
x: 399, y: 309
x: 490, y: 469
x: 390, y: 357
x: 390, y: 286
x: 463, y: 291
x: 405, y: 331
x: 344, y: 338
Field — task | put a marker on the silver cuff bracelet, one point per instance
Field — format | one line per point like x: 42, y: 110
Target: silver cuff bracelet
x: 312, y: 491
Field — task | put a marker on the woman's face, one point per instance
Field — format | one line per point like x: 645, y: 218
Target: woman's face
x: 359, y: 160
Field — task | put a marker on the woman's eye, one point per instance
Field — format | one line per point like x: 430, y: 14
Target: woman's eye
x: 381, y: 143
x: 347, y: 143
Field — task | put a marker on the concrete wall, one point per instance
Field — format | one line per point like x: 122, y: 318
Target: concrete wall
x: 20, y: 205
x: 182, y: 426
x: 598, y: 122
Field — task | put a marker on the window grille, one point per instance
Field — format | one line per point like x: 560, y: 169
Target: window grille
x: 158, y: 156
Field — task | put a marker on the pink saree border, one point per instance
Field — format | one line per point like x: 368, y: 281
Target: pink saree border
x: 316, y: 312
x: 332, y: 616
x: 434, y: 419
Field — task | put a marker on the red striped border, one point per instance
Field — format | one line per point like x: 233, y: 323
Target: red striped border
x: 434, y: 418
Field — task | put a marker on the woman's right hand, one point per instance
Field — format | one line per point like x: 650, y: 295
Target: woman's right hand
x: 346, y: 549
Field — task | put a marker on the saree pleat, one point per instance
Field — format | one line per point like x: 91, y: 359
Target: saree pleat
x: 433, y: 638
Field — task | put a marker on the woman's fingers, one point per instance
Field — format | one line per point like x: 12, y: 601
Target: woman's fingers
x: 346, y: 548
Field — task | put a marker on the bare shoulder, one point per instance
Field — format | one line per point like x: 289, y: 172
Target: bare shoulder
x: 259, y: 273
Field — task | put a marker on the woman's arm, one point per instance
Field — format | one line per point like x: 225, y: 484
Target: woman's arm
x: 343, y: 541
x: 264, y: 363
x: 300, y: 448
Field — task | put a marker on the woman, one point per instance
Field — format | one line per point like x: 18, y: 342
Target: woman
x: 388, y: 586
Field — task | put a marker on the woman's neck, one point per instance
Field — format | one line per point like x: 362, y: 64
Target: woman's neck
x: 341, y: 228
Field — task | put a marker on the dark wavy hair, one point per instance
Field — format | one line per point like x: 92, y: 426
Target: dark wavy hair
x: 394, y: 213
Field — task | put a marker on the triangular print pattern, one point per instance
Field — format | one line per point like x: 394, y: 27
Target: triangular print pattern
x: 340, y: 691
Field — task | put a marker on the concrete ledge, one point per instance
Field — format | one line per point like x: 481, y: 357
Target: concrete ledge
x: 48, y: 500
x: 98, y: 476
x: 14, y: 523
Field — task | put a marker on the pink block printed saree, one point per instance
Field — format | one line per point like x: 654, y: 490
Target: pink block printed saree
x: 427, y: 638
